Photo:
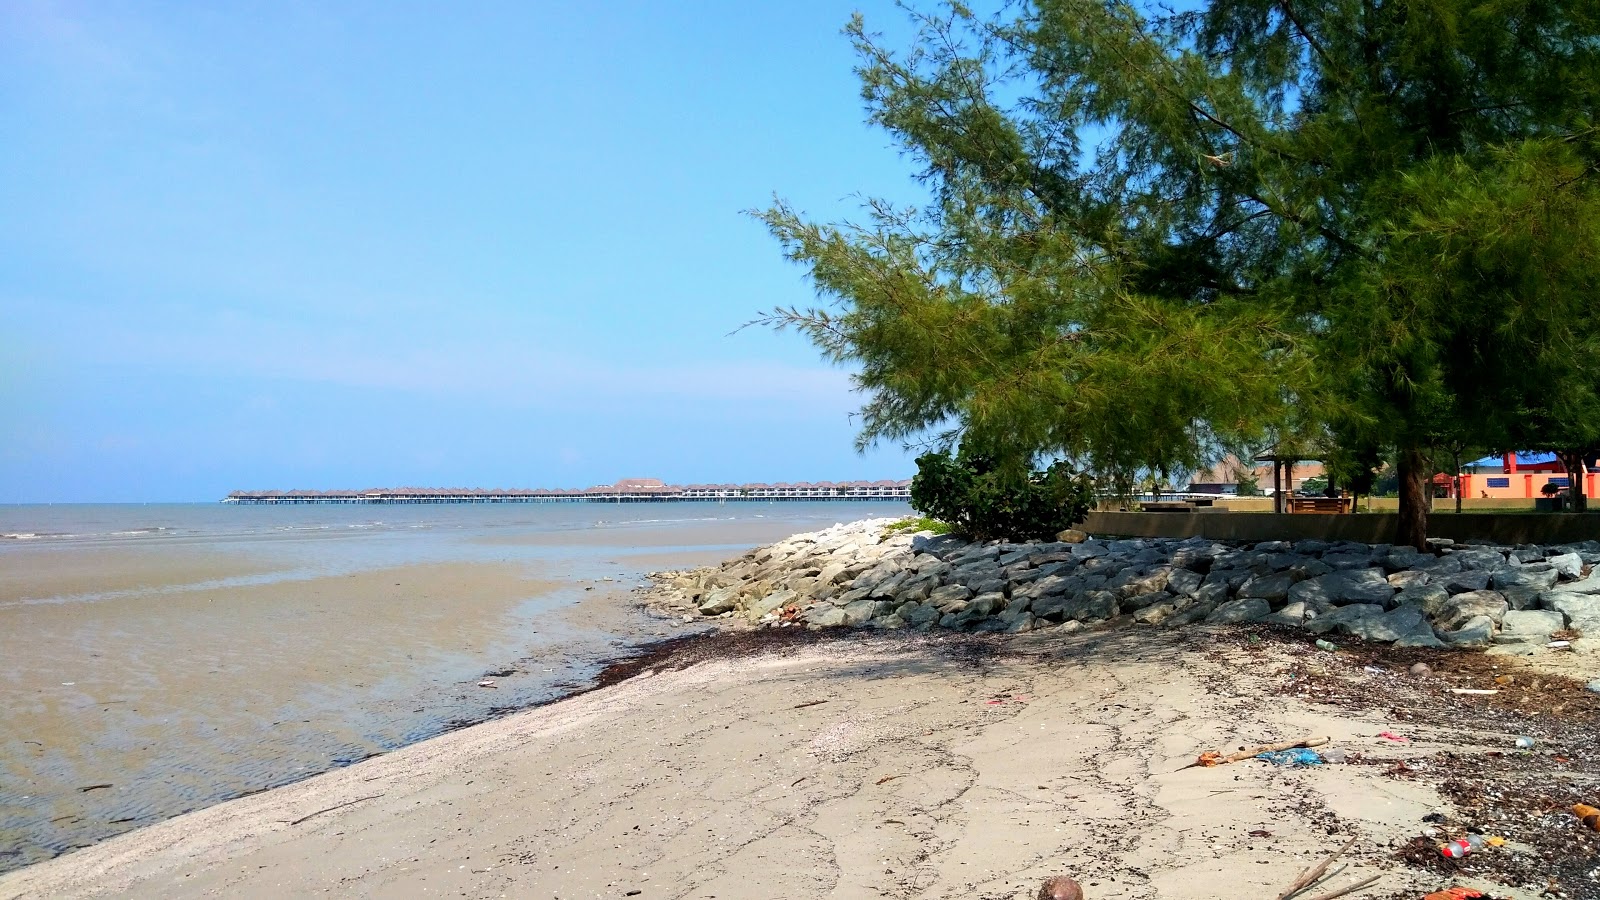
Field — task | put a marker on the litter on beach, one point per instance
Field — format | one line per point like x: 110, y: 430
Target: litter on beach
x: 1300, y: 757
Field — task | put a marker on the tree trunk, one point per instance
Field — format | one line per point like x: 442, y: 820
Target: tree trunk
x: 1572, y: 461
x: 1455, y: 479
x: 1412, y: 529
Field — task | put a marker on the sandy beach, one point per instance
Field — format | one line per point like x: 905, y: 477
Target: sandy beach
x: 868, y: 766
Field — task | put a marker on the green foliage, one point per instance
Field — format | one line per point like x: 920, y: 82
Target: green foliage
x: 983, y: 499
x: 1314, y: 485
x: 1249, y: 484
x: 913, y: 524
x: 1151, y: 235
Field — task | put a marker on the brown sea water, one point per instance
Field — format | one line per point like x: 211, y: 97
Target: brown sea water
x: 157, y: 659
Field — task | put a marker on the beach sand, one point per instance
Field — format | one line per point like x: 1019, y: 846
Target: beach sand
x: 868, y: 766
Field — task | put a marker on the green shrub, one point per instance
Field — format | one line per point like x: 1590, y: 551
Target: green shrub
x: 913, y: 524
x: 984, y: 500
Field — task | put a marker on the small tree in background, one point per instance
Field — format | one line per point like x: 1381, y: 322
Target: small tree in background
x: 985, y: 500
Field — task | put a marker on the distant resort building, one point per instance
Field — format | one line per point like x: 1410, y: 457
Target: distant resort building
x: 1224, y: 477
x: 1517, y: 476
x: 627, y: 490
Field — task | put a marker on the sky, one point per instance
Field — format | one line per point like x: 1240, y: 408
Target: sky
x: 306, y: 245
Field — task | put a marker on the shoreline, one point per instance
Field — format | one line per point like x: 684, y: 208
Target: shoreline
x: 531, y: 786
x: 547, y: 798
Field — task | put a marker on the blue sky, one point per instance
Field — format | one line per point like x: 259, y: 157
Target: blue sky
x: 366, y: 244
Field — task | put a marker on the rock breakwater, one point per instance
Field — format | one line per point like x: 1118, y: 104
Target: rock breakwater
x: 1517, y: 599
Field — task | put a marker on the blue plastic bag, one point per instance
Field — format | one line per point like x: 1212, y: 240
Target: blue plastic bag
x: 1301, y: 756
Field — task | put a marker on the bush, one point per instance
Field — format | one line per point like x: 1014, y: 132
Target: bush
x: 985, y: 501
x: 914, y: 524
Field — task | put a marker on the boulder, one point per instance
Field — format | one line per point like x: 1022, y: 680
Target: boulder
x: 1072, y: 536
x: 918, y: 614
x: 1234, y: 612
x: 1526, y: 626
x: 1461, y: 608
x: 1053, y: 606
x: 1590, y: 585
x: 1569, y: 566
x: 1467, y: 581
x: 1295, y: 613
x: 1582, y: 611
x: 1348, y: 560
x: 1183, y: 582
x: 770, y: 602
x: 857, y: 612
x: 1049, y: 585
x: 1475, y: 632
x: 1348, y: 586
x: 1155, y: 613
x: 825, y: 616
x: 1409, y: 578
x: 1212, y: 592
x: 1442, y: 565
x: 1487, y: 560
x: 719, y: 601
x: 1093, y: 606
x: 1344, y: 619
x: 1524, y: 577
x: 949, y: 593
x: 1430, y: 597
x: 1199, y: 612
x: 1403, y: 623
x: 832, y: 573
x: 1270, y: 588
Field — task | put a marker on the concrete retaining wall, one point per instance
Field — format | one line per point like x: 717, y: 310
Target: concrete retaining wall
x: 1367, y: 528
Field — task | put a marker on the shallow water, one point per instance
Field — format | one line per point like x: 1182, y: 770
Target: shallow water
x: 156, y: 659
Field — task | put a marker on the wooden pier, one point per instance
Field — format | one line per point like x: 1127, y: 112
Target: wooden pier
x: 636, y: 490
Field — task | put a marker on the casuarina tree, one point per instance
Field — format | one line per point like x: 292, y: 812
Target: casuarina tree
x: 1151, y: 234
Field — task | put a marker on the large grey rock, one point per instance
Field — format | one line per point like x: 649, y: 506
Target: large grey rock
x: 1524, y: 626
x: 770, y: 602
x: 1590, y: 585
x: 989, y: 586
x: 1488, y: 560
x: 1350, y: 586
x: 1052, y: 584
x: 1475, y: 632
x: 1527, y: 554
x: 1234, y: 612
x: 1431, y: 598
x: 1401, y: 558
x: 1568, y: 566
x: 832, y: 573
x: 1344, y: 619
x: 826, y: 616
x: 1524, y: 577
x: 980, y: 607
x: 1053, y: 606
x: 1409, y: 578
x: 916, y: 589
x: 948, y: 594
x: 1439, y: 566
x: 1271, y: 588
x: 1092, y: 606
x: 858, y: 612
x: 1294, y: 613
x: 1467, y: 581
x: 1183, y: 582
x: 1214, y: 592
x: 1461, y: 608
x: 1348, y: 560
x: 918, y: 614
x: 970, y: 575
x: 1407, y: 623
x: 1582, y: 611
x: 1155, y: 613
x: 719, y: 601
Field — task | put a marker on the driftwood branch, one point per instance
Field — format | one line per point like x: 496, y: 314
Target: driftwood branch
x: 1349, y: 890
x: 332, y: 808
x: 1312, y: 875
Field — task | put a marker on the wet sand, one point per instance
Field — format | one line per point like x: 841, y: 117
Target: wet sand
x: 945, y: 767
x: 180, y: 699
x: 142, y: 678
